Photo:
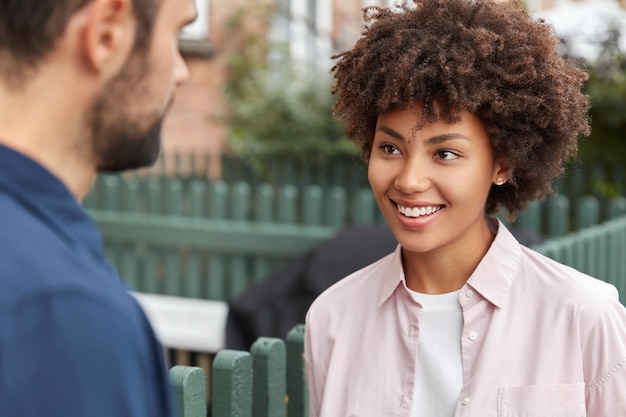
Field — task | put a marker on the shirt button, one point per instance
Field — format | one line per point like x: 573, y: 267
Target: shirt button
x: 466, y: 401
x: 469, y: 293
x: 472, y: 336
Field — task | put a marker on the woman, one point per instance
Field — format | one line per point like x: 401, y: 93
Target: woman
x: 462, y: 108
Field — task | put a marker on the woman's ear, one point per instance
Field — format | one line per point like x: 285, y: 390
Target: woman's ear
x: 502, y: 174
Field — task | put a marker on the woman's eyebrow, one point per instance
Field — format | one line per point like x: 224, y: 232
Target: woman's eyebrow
x: 431, y: 141
x: 390, y: 132
x: 445, y: 137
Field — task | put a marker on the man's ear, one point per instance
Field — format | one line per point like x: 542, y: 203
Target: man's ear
x: 107, y: 34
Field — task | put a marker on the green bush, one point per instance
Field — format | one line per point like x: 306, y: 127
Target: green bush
x: 278, y: 111
x: 606, y: 146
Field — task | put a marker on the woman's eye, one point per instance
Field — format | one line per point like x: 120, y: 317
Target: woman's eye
x: 389, y: 149
x: 447, y: 155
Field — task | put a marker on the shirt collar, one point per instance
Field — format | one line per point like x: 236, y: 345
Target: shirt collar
x: 48, y: 199
x: 492, y: 278
x: 494, y: 275
x: 394, y: 275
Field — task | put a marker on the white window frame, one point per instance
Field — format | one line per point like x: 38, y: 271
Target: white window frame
x: 194, y: 38
x: 305, y: 28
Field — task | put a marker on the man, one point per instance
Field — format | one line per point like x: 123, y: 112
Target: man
x: 84, y: 86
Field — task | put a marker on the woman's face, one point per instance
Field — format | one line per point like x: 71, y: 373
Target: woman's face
x: 432, y: 184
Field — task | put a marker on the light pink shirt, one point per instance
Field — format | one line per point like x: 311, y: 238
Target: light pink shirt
x: 539, y: 339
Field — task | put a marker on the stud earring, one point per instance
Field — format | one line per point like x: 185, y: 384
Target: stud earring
x: 500, y: 181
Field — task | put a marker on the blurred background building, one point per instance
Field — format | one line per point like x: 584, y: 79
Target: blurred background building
x: 309, y: 32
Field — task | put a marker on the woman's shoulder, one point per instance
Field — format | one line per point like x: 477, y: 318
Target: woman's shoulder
x: 362, y: 287
x: 555, y: 281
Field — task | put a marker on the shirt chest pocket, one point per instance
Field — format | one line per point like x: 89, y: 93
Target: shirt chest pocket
x: 566, y: 400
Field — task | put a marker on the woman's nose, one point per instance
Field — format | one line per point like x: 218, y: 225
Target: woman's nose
x: 414, y: 177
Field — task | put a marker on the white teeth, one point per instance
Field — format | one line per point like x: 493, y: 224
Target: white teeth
x: 418, y: 211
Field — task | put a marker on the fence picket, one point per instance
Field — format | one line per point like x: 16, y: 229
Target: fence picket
x: 312, y: 205
x: 216, y: 278
x: 364, y: 207
x: 218, y: 200
x: 189, y: 387
x: 288, y: 204
x: 616, y: 207
x: 197, y: 199
x: 296, y: 378
x: 336, y: 207
x: 270, y: 388
x: 530, y: 219
x: 173, y: 197
x: 588, y: 212
x: 557, y: 215
x: 154, y: 197
x: 231, y: 391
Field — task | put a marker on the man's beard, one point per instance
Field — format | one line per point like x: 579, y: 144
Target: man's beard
x: 122, y: 137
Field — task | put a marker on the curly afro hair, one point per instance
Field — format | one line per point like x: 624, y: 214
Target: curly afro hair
x: 485, y: 57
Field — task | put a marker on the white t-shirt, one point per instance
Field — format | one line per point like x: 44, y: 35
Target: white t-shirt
x: 439, y: 368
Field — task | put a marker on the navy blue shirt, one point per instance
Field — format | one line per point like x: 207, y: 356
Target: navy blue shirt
x: 73, y: 342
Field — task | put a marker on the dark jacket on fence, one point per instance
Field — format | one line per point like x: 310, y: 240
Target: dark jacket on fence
x: 281, y: 301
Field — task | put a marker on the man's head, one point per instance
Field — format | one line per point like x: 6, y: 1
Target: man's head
x: 126, y: 118
x: 29, y: 30
x: 126, y: 60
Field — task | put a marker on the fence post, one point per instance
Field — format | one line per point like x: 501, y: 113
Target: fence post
x: 297, y: 393
x: 268, y: 397
x: 231, y: 390
x: 189, y: 386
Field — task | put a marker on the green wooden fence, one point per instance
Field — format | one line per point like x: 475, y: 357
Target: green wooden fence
x: 214, y: 240
x: 268, y: 381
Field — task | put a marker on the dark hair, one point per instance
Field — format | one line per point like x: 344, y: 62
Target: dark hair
x: 29, y: 29
x: 486, y: 57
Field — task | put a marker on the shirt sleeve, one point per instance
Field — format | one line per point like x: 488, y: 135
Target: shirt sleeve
x: 605, y: 361
x: 76, y: 356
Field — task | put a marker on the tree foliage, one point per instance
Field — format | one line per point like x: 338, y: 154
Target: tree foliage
x: 606, y: 146
x: 277, y: 109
